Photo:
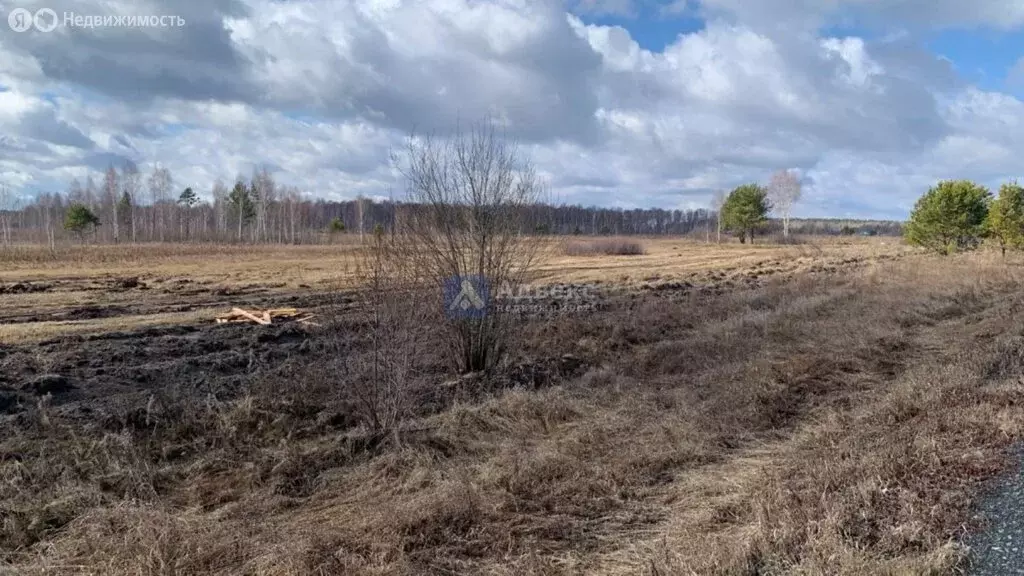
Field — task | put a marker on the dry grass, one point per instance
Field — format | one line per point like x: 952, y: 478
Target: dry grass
x: 812, y: 424
x: 38, y: 331
x: 204, y: 262
x: 604, y: 247
x: 668, y: 260
x: 196, y: 282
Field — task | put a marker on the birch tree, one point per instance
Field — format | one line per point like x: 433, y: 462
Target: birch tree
x: 262, y: 191
x: 7, y: 207
x: 361, y: 202
x: 717, y: 202
x: 220, y: 207
x: 160, y: 182
x: 111, y: 197
x: 131, y: 183
x: 784, y: 191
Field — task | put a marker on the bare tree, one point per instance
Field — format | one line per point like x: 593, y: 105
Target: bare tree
x: 90, y: 192
x: 221, y: 204
x: 160, y: 183
x: 464, y: 227
x: 131, y: 183
x: 292, y: 199
x: 263, y: 190
x: 361, y: 212
x: 717, y: 202
x: 784, y: 191
x: 111, y: 198
x: 76, y: 195
x: 7, y: 208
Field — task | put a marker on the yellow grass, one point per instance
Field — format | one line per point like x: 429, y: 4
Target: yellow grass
x: 82, y: 275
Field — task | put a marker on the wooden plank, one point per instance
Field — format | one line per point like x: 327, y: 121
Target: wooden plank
x: 250, y: 316
x: 264, y: 317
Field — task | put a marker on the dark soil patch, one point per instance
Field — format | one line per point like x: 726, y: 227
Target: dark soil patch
x: 25, y: 288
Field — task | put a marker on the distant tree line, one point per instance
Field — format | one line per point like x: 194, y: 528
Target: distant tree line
x: 126, y: 205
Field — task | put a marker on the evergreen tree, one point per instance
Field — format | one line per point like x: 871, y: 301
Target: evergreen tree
x: 80, y: 220
x: 746, y: 210
x: 1006, y: 217
x: 949, y: 217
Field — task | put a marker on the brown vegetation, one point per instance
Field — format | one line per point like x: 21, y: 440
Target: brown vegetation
x: 96, y: 289
x: 604, y: 247
x: 833, y: 417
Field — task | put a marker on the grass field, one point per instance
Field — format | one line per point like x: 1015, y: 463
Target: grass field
x: 83, y: 289
x: 805, y: 409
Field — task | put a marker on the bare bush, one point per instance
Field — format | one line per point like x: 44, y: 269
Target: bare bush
x: 465, y: 224
x: 604, y: 247
x: 379, y: 372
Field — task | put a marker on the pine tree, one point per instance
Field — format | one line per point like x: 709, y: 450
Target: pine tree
x: 949, y: 217
x: 1006, y: 217
x: 745, y: 210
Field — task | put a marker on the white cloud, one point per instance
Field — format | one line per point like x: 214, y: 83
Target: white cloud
x: 322, y: 90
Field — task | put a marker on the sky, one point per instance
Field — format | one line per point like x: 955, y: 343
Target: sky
x: 619, y: 103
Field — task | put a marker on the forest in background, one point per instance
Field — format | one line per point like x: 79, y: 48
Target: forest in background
x: 133, y: 207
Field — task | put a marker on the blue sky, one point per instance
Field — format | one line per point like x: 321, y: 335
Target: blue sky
x: 626, y: 103
x: 652, y: 29
x: 984, y: 57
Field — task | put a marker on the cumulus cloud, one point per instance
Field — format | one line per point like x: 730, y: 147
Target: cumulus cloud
x: 324, y: 90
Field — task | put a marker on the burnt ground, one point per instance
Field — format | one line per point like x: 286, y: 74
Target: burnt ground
x: 104, y: 377
x: 110, y: 374
x: 86, y: 373
x: 95, y: 375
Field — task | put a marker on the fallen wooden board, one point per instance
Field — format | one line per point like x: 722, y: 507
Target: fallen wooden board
x: 262, y: 317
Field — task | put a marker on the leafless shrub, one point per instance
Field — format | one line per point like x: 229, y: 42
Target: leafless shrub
x: 604, y: 247
x: 468, y: 193
x: 398, y: 319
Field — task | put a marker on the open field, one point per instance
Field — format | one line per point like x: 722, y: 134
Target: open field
x: 95, y: 289
x: 808, y: 409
